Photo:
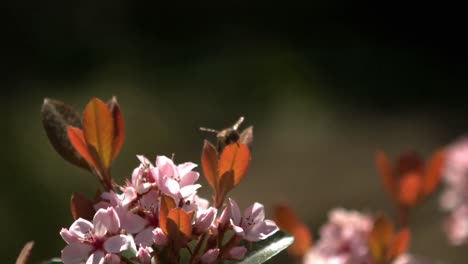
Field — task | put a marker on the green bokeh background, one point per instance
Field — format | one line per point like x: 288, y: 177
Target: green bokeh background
x: 324, y: 85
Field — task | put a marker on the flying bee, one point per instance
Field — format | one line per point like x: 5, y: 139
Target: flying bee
x: 231, y: 135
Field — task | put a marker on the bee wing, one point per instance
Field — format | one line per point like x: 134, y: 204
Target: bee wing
x: 238, y: 123
x: 246, y: 137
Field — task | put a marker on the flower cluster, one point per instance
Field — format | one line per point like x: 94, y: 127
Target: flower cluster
x: 454, y: 198
x: 351, y: 237
x: 159, y: 210
x: 157, y: 215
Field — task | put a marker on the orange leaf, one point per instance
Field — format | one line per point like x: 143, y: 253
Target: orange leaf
x: 433, y: 173
x: 235, y: 157
x: 285, y: 218
x: 23, y: 257
x: 400, y: 244
x: 119, y: 127
x: 302, y: 241
x: 385, y: 170
x: 167, y: 204
x: 209, y: 163
x: 409, y: 189
x: 179, y: 227
x: 225, y: 185
x: 98, y: 130
x: 79, y: 143
x: 81, y: 207
x: 380, y: 238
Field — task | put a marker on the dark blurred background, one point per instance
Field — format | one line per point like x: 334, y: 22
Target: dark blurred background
x: 325, y: 85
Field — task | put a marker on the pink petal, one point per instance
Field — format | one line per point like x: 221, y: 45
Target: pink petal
x: 128, y: 196
x: 75, y: 253
x: 150, y: 201
x: 68, y: 236
x: 255, y: 213
x: 236, y: 253
x: 144, y: 255
x: 132, y: 223
x: 106, y: 221
x: 166, y: 166
x: 189, y: 178
x: 117, y: 244
x: 160, y: 238
x: 224, y: 218
x: 111, y: 259
x: 210, y: 256
x: 261, y: 231
x: 235, y: 212
x: 96, y: 258
x: 145, y: 237
x: 189, y: 190
x: 239, y: 230
x: 143, y: 160
x: 205, y: 218
x: 80, y: 228
x: 185, y: 168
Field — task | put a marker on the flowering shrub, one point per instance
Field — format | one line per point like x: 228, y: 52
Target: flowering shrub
x: 156, y: 216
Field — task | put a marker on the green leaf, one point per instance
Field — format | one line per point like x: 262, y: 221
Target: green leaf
x: 266, y: 249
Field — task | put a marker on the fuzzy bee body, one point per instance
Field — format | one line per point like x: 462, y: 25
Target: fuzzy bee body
x: 231, y: 135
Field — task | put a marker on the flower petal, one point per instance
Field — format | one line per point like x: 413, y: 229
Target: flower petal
x: 261, y: 231
x: 235, y: 212
x: 210, y: 256
x: 255, y: 212
x: 80, y: 228
x: 117, y: 244
x: 106, y: 221
x: 189, y: 190
x: 145, y: 237
x: 96, y: 258
x: 189, y: 178
x: 75, y: 253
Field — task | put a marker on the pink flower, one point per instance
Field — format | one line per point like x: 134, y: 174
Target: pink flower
x: 454, y: 198
x: 252, y: 226
x: 142, y: 178
x: 144, y: 255
x: 235, y: 253
x: 97, y: 241
x: 343, y: 240
x: 210, y: 256
x: 175, y: 181
x: 204, y: 220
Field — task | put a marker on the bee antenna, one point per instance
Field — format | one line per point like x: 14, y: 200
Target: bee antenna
x: 209, y: 130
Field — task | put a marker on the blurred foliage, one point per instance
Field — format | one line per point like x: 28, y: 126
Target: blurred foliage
x: 324, y: 87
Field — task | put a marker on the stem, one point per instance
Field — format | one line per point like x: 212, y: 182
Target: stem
x: 197, y: 248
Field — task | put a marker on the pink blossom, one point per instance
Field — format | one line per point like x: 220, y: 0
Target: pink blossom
x: 160, y: 239
x: 235, y: 253
x: 252, y: 225
x: 175, y: 181
x: 95, y: 241
x: 454, y: 198
x: 343, y: 240
x: 144, y: 255
x: 142, y: 178
x: 204, y: 219
x: 210, y: 256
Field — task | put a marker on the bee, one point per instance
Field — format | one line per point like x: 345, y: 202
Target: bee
x: 231, y: 135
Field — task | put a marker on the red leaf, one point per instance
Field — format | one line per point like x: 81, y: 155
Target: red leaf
x: 285, y: 217
x: 433, y: 173
x: 98, y: 130
x: 167, y: 204
x: 400, y: 244
x: 302, y: 241
x: 81, y: 207
x: 79, y: 143
x: 386, y: 172
x: 179, y: 227
x: 25, y: 253
x: 209, y: 163
x: 235, y: 157
x: 409, y: 189
x: 380, y: 238
x: 119, y: 127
